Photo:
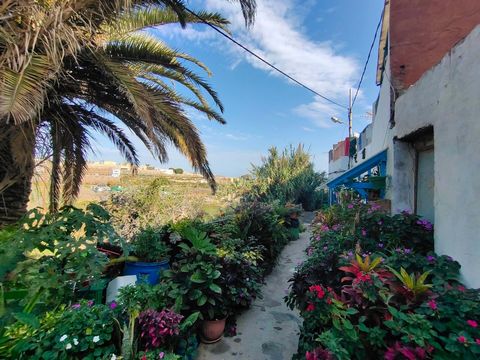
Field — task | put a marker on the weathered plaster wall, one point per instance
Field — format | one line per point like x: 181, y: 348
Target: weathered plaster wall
x: 448, y: 98
x: 381, y: 133
x: 402, y: 192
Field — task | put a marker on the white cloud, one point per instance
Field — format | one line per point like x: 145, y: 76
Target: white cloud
x: 279, y: 37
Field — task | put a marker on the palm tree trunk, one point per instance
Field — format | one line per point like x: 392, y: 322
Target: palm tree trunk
x: 17, y: 162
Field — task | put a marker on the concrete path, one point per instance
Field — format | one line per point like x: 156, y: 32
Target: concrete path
x: 268, y: 330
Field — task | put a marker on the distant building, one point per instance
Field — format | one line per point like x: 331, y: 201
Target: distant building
x: 421, y: 151
x: 167, y: 171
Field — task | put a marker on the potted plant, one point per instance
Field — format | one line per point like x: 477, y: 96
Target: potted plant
x: 213, y: 327
x: 195, y: 283
x: 151, y: 253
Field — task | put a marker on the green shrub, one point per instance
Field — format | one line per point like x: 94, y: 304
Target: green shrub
x: 83, y: 331
x: 372, y: 288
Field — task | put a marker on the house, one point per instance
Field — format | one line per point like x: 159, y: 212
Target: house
x: 426, y: 125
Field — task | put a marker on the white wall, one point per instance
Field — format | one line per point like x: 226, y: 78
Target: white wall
x: 447, y: 97
x: 337, y: 167
x: 381, y: 133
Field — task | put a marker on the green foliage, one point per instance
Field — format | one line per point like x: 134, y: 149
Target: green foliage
x: 56, y: 253
x: 287, y: 176
x: 194, y: 279
x: 135, y: 298
x: 84, y: 331
x: 148, y: 245
x: 241, y: 278
x: 355, y: 304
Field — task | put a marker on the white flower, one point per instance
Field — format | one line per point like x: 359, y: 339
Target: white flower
x: 114, y: 357
x: 96, y: 339
x: 62, y: 339
x: 69, y: 346
x: 75, y: 341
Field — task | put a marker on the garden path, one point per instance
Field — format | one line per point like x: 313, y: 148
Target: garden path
x: 268, y: 330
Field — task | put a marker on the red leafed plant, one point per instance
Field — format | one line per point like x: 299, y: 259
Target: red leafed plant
x: 158, y: 327
x: 363, y: 269
x: 401, y: 351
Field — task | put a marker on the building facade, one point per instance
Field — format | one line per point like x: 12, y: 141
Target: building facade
x: 427, y: 121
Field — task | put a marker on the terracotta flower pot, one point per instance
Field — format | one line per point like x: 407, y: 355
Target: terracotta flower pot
x: 212, y: 330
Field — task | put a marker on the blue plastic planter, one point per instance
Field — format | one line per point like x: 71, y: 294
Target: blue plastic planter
x: 146, y: 272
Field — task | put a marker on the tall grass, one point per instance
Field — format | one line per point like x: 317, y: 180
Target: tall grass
x: 288, y: 176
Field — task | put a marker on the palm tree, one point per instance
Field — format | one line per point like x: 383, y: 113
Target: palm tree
x: 81, y: 65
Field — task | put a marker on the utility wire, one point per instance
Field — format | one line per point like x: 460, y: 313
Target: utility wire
x: 221, y: 32
x: 368, y: 59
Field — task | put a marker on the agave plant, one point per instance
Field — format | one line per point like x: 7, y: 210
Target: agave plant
x: 71, y: 67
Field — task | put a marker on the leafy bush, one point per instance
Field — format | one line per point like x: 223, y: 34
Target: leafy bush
x: 372, y: 288
x: 83, y: 331
x: 148, y: 245
x: 241, y: 278
x: 53, y: 254
x: 287, y: 177
x: 261, y: 225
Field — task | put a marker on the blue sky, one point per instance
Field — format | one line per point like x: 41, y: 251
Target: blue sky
x: 322, y: 43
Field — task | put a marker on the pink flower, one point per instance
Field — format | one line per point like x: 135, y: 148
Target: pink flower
x: 318, y: 290
x: 90, y: 303
x: 462, y: 339
x: 161, y: 355
x: 461, y: 288
x: 362, y: 277
x: 472, y: 323
x: 310, y: 307
x: 76, y: 306
x: 350, y: 206
x: 433, y: 305
x: 113, y: 305
x: 477, y: 341
x: 364, y: 232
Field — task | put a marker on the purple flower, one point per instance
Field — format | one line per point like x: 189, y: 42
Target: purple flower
x: 76, y: 306
x: 364, y: 232
x: 350, y: 206
x: 336, y: 227
x: 325, y: 248
x: 431, y: 258
x: 380, y: 245
x: 350, y: 253
x: 425, y: 224
x: 90, y: 303
x: 113, y: 305
x: 407, y: 251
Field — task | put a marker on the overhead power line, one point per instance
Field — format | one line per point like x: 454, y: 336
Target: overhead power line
x: 223, y: 33
x: 368, y: 59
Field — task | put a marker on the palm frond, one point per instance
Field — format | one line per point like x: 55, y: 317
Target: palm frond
x: 141, y: 47
x: 152, y: 16
x: 23, y: 92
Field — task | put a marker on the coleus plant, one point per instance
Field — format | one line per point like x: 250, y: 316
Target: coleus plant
x: 157, y: 328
